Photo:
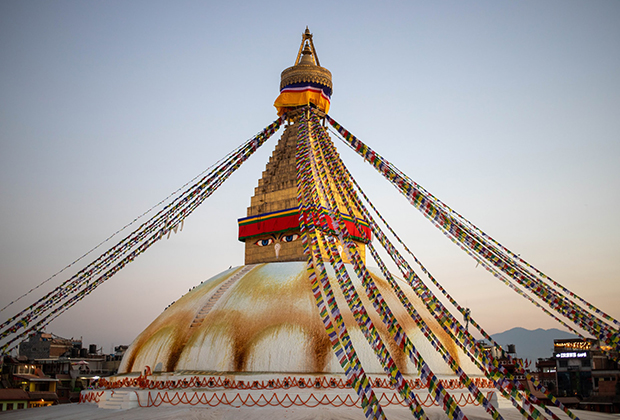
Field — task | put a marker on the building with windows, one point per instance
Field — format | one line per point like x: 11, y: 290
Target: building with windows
x: 51, y: 370
x: 574, y: 366
x: 43, y: 345
x: 546, y: 373
x: 24, y: 385
x: 587, y: 370
x: 13, y: 399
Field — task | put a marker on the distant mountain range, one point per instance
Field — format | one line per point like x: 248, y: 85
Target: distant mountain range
x: 531, y: 344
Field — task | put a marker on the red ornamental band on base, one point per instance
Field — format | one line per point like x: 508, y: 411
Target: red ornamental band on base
x: 287, y: 220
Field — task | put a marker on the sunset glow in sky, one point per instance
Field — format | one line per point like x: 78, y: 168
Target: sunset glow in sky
x: 507, y: 111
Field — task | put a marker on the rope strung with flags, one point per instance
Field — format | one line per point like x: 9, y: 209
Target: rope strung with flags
x: 393, y: 327
x: 366, y: 325
x: 490, y: 255
x: 168, y: 220
x: 427, y: 331
x: 510, y: 388
x: 344, y: 175
x: 353, y: 368
x: 401, y: 341
x: 443, y: 316
x: 462, y: 310
x: 348, y: 195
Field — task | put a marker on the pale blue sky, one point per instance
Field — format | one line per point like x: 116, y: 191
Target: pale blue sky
x: 507, y: 111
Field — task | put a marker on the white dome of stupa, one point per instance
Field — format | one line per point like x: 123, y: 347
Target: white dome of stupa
x: 263, y: 318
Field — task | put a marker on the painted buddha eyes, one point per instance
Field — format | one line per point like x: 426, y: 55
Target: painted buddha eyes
x: 283, y: 238
x: 264, y: 242
x: 289, y: 238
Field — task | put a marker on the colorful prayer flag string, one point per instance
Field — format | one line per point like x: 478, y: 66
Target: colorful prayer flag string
x: 50, y: 306
x: 449, y: 221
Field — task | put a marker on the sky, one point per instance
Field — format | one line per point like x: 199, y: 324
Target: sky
x: 507, y: 111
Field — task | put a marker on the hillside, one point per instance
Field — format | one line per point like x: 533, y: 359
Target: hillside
x: 531, y: 344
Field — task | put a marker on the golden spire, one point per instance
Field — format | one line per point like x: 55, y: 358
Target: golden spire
x: 306, y: 67
x: 306, y: 38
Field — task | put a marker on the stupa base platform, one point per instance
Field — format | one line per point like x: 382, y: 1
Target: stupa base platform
x: 286, y: 390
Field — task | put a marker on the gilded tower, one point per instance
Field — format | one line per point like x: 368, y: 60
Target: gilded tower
x: 271, y: 229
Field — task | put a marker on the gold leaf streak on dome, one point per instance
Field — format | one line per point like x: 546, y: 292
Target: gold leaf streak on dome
x: 276, y: 302
x: 181, y: 316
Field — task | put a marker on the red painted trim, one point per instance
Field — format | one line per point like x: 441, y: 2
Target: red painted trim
x: 291, y: 222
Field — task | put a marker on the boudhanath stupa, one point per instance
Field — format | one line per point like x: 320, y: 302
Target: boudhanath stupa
x: 257, y: 328
x: 315, y: 324
x: 305, y: 323
x: 262, y: 317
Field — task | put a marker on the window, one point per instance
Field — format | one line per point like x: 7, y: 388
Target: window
x: 563, y: 363
x: 586, y: 363
x: 20, y: 406
x: 22, y: 369
x: 9, y: 406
